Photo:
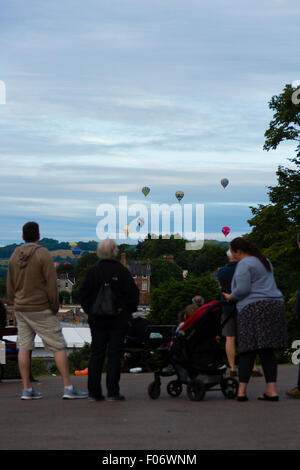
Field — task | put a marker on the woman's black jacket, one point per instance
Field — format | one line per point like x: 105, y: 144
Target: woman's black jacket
x: 123, y: 286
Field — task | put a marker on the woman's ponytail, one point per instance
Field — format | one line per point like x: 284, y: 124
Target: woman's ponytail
x: 242, y: 244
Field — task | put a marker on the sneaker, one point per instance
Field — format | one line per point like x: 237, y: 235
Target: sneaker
x: 295, y: 393
x: 73, y: 394
x: 33, y: 395
x: 116, y: 398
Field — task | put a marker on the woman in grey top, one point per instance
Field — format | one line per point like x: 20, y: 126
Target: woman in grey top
x: 261, y: 321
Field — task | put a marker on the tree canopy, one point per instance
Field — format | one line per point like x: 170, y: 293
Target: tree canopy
x: 171, y: 296
x: 275, y: 225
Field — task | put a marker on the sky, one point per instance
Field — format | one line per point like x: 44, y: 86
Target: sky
x: 104, y: 97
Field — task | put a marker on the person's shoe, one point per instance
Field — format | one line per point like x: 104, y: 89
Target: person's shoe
x: 102, y: 398
x: 266, y: 397
x: 73, y: 394
x: 31, y: 395
x: 256, y: 373
x: 116, y: 398
x: 295, y: 393
x: 242, y: 398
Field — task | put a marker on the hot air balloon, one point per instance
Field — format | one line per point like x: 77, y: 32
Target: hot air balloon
x: 126, y: 230
x: 224, y: 182
x: 76, y: 251
x: 226, y: 231
x: 145, y: 190
x: 73, y: 244
x: 140, y: 221
x: 179, y: 195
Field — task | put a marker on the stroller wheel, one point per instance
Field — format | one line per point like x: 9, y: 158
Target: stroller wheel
x: 196, y: 391
x: 154, y: 390
x: 229, y: 387
x: 174, y: 388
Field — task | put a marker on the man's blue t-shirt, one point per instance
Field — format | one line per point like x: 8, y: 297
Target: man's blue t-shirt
x: 225, y: 275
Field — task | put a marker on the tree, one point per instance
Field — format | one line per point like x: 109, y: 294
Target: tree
x: 81, y: 268
x: 172, y: 296
x: 64, y: 296
x: 156, y: 247
x: 275, y: 225
x: 208, y: 259
x: 66, y: 269
x: 285, y: 124
x: 2, y: 287
x: 163, y: 270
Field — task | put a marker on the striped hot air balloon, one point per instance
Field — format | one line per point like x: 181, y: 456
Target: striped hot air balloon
x: 224, y: 182
x: 179, y: 195
x: 146, y: 190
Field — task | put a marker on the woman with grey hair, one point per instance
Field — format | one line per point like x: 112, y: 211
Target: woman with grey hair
x: 108, y: 330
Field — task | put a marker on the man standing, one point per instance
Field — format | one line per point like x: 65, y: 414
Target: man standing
x: 32, y: 286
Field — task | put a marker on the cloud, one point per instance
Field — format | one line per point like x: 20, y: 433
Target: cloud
x: 103, y: 99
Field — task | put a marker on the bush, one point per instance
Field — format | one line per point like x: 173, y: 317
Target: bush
x: 38, y: 367
x: 79, y: 358
x: 11, y: 370
x: 172, y: 296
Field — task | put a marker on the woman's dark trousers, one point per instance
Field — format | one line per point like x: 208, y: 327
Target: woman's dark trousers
x: 268, y: 362
x: 103, y: 338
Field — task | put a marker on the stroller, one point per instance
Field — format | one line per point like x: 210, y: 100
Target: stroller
x: 147, y: 346
x: 197, y: 358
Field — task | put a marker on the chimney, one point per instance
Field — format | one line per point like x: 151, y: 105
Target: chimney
x: 123, y: 259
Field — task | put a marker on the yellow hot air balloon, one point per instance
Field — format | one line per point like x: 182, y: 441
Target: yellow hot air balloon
x: 73, y: 244
x: 126, y: 230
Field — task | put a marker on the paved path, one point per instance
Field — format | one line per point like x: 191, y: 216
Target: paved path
x: 141, y: 423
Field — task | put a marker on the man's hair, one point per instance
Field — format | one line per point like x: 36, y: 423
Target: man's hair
x: 31, y: 232
x: 230, y: 254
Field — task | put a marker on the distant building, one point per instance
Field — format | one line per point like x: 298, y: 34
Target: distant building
x: 141, y: 274
x: 64, y: 283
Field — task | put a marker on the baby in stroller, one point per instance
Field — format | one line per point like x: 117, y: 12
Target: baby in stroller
x: 183, y: 315
x: 196, y: 357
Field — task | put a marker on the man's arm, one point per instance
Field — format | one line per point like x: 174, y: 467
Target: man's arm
x: 85, y: 291
x: 50, y: 277
x: 132, y: 295
x: 10, y: 285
